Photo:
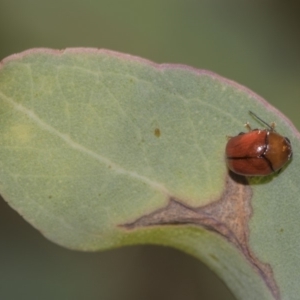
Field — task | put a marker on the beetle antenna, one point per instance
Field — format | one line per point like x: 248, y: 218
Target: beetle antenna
x: 258, y: 118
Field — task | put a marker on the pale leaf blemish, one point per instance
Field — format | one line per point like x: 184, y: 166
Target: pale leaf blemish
x: 21, y: 133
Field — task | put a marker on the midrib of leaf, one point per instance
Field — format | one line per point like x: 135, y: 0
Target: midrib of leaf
x: 66, y: 138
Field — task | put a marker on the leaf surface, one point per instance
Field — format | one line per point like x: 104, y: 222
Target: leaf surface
x: 94, y: 145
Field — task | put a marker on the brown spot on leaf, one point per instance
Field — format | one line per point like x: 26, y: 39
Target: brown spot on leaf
x: 157, y: 132
x: 228, y: 216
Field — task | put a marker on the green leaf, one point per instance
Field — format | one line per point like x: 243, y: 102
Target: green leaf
x: 100, y: 149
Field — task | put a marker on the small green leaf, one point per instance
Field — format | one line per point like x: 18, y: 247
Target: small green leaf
x: 100, y: 149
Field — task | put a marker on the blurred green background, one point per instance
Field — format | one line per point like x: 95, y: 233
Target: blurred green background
x: 255, y: 43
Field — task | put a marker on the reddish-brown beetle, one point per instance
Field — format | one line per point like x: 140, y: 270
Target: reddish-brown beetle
x: 258, y: 152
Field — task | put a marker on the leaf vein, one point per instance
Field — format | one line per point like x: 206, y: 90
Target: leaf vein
x: 73, y: 144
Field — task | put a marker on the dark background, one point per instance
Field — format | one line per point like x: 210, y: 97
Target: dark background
x: 255, y: 43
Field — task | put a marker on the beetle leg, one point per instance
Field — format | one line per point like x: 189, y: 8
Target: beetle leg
x: 272, y: 125
x: 247, y: 125
x: 228, y: 137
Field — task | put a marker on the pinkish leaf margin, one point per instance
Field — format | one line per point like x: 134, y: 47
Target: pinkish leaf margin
x: 160, y: 67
